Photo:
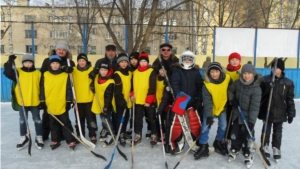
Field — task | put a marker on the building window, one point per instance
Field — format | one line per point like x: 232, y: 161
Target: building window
x: 29, y: 48
x: 174, y: 22
x: 92, y: 50
x: 59, y: 34
x: 2, y: 48
x: 148, y: 50
x: 187, y: 37
x: 30, y: 18
x: 172, y: 36
x: 174, y: 50
x: 117, y: 34
x: 94, y: 31
x: 28, y: 34
x: 80, y: 49
x: 59, y: 18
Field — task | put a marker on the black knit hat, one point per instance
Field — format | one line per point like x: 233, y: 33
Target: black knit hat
x: 110, y: 47
x: 214, y: 65
x: 82, y: 56
x: 121, y: 57
x: 104, y: 64
x: 134, y: 55
x: 166, y: 44
x: 280, y: 64
x: 144, y: 56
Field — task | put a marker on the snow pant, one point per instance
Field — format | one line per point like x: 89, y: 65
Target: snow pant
x: 276, y: 135
x: 46, y: 126
x: 222, y: 124
x: 140, y: 110
x: 176, y: 132
x: 239, y: 137
x: 107, y: 118
x: 35, y: 117
x: 119, y: 115
x: 229, y: 121
x: 85, y: 114
x: 55, y: 127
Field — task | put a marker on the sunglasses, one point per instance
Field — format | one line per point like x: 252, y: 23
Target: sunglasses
x: 165, y: 50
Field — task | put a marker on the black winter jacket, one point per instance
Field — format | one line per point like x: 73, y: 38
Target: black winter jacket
x: 188, y: 81
x: 282, y: 103
x: 169, y: 67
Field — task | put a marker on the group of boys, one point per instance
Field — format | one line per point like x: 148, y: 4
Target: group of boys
x: 118, y: 85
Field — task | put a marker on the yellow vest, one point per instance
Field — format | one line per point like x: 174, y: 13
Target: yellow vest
x: 218, y: 94
x: 159, y: 91
x: 55, y: 92
x: 126, y: 86
x: 141, y: 85
x: 100, y: 90
x: 234, y: 74
x: 82, y: 85
x: 30, y: 87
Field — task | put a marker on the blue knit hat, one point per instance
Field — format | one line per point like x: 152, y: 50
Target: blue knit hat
x: 54, y: 58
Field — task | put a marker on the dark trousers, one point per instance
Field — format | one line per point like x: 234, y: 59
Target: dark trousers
x: 85, y: 114
x: 239, y: 137
x: 140, y: 110
x: 276, y: 135
x: 55, y: 127
x: 229, y: 121
x: 46, y: 126
x: 119, y: 115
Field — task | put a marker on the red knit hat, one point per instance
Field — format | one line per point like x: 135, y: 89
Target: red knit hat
x: 234, y: 55
x: 142, y: 56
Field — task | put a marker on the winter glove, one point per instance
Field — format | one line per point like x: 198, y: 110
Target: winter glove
x: 105, y: 113
x: 12, y: 58
x: 67, y: 69
x: 290, y: 120
x: 92, y: 87
x: 272, y: 84
x: 93, y: 74
x: 42, y: 106
x: 209, y: 121
x: 197, y: 105
x: 251, y: 127
x: 234, y: 102
x: 68, y: 106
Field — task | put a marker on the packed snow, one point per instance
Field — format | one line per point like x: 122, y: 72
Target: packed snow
x: 144, y: 155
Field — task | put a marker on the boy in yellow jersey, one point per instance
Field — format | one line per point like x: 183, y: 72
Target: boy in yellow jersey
x: 214, y: 95
x: 56, y: 96
x: 104, y: 95
x: 29, y: 79
x: 122, y: 77
x: 84, y: 96
x: 143, y: 94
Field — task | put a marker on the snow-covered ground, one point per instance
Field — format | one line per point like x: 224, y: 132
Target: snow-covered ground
x: 144, y: 156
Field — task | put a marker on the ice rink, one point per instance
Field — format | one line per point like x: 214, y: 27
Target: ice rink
x: 145, y: 157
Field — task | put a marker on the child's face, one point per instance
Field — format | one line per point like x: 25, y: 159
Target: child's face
x: 27, y: 64
x: 81, y: 63
x: 133, y: 62
x: 234, y: 62
x: 278, y: 71
x: 215, y: 74
x: 143, y: 63
x: 54, y: 65
x: 187, y: 61
x: 123, y: 64
x: 248, y: 76
x: 103, y: 72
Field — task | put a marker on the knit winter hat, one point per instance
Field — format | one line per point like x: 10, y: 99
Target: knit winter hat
x: 248, y: 68
x: 280, y: 64
x: 144, y: 56
x: 214, y: 65
x: 104, y: 64
x: 121, y: 57
x: 54, y: 58
x: 82, y: 56
x: 235, y: 55
x: 134, y: 55
x: 27, y: 57
x: 110, y: 47
x: 166, y: 44
x: 61, y: 45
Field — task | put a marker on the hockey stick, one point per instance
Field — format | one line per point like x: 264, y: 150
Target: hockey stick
x: 185, y: 128
x: 262, y: 157
x: 162, y: 140
x: 88, y: 143
x: 227, y: 131
x: 182, y: 157
x: 118, y: 135
x: 112, y: 134
x: 132, y: 135
x: 269, y: 106
x: 62, y: 124
x: 23, y: 107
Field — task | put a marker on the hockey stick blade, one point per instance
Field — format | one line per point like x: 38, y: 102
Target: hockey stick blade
x: 99, y: 156
x: 30, y: 143
x: 264, y: 156
x: 121, y: 153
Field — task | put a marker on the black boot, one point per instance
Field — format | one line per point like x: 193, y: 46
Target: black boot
x: 220, y: 147
x: 203, y: 152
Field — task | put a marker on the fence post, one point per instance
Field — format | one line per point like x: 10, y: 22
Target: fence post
x: 255, y: 46
x: 32, y: 39
x: 167, y: 34
x: 214, y: 44
x: 298, y: 52
x: 84, y: 39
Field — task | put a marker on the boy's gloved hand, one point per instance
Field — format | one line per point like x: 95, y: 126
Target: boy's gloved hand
x: 290, y: 120
x: 105, y: 113
x: 12, y: 58
x: 234, y: 102
x: 67, y: 69
x: 209, y: 121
